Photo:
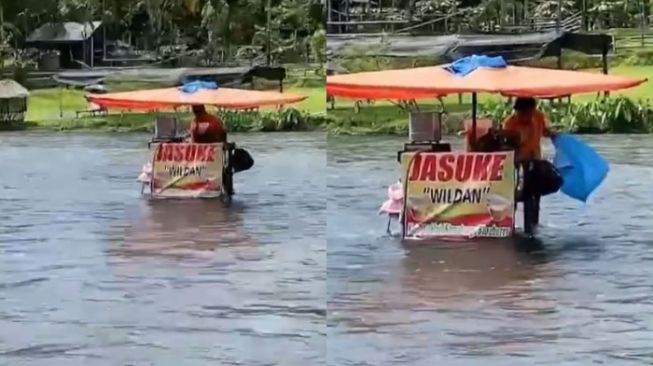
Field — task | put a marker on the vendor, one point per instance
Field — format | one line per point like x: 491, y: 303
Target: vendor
x: 207, y: 128
x: 530, y: 125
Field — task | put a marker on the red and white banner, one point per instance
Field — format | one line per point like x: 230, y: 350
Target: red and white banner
x: 458, y: 194
x: 187, y: 170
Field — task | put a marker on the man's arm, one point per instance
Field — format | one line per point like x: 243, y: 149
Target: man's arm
x: 193, y: 130
x: 508, y: 123
x: 547, y: 130
x: 511, y: 126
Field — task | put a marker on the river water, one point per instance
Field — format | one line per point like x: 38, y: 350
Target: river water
x: 93, y: 274
x: 581, y: 295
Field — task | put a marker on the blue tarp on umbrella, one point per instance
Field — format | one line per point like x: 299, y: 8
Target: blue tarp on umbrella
x: 195, y: 86
x: 467, y: 65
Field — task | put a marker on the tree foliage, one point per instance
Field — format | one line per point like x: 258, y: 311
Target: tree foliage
x: 480, y: 13
x: 216, y: 26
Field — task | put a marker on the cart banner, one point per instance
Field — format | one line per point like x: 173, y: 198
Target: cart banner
x: 458, y: 194
x: 181, y: 170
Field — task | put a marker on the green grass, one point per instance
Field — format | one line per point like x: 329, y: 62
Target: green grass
x: 386, y: 117
x: 55, y: 109
x: 316, y: 101
x: 643, y: 91
x: 272, y: 120
x: 128, y: 122
x: 44, y: 104
x: 380, y: 117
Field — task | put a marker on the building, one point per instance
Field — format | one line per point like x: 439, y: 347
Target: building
x: 13, y: 104
x: 76, y: 42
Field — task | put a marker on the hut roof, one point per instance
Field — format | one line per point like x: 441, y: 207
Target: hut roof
x: 11, y: 89
x: 64, y: 32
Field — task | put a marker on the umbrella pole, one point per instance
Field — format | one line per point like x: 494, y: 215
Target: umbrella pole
x: 474, y: 112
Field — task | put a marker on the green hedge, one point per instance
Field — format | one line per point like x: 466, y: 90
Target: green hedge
x: 283, y: 120
x: 604, y: 115
x: 237, y: 121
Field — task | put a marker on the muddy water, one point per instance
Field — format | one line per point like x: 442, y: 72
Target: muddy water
x: 582, y: 294
x: 92, y: 274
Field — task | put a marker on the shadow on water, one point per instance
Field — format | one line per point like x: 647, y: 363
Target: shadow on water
x: 181, y: 228
x: 441, y: 272
x: 577, y: 294
x: 93, y: 274
x: 488, y: 264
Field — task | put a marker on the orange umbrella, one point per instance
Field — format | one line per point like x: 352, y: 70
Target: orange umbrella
x: 173, y: 97
x: 428, y: 82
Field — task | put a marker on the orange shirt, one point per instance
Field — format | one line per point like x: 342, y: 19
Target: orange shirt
x: 208, y: 128
x: 530, y: 132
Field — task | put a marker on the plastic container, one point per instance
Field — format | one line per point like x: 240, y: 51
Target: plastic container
x: 425, y: 126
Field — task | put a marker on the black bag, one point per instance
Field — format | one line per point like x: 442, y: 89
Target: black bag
x: 241, y: 160
x: 542, y: 177
x: 497, y: 140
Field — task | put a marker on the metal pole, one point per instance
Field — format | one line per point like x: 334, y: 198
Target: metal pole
x: 347, y: 15
x: 269, y: 35
x: 643, y: 20
x: 328, y: 12
x: 2, y: 29
x: 585, y: 25
x: 60, y: 101
x: 474, y: 112
x: 559, y: 16
x: 604, y: 59
x: 104, y: 32
x: 84, y: 50
x: 604, y: 55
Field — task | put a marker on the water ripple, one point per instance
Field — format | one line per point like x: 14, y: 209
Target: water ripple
x: 92, y: 274
x: 579, y: 295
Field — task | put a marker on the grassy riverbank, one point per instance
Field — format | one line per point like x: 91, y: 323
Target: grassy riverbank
x: 387, y: 118
x: 55, y: 109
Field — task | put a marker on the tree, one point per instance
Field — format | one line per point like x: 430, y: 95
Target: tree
x: 318, y: 45
x: 217, y: 26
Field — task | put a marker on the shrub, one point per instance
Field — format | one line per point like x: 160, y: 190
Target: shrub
x: 604, y: 115
x: 282, y: 120
x: 237, y: 121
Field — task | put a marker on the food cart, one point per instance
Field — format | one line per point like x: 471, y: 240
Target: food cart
x: 471, y: 193
x: 180, y: 168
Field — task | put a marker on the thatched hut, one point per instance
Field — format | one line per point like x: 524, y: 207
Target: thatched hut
x: 13, y: 103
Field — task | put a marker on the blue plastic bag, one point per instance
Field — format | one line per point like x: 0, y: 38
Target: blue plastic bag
x: 194, y: 86
x: 466, y: 65
x: 582, y: 169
